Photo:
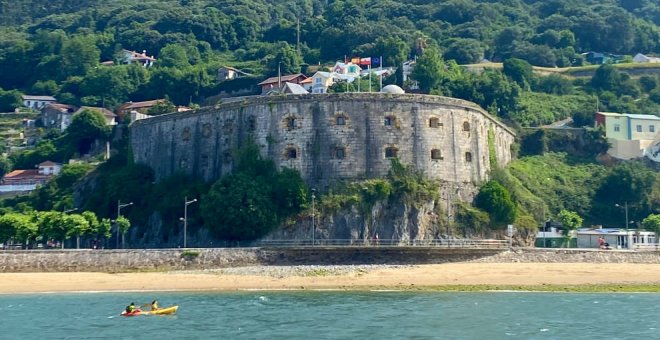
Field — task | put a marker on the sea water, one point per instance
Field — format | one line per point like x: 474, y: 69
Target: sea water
x: 335, y: 315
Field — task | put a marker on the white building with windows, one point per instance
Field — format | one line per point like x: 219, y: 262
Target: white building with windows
x: 37, y: 102
x: 631, y: 135
x: 617, y: 238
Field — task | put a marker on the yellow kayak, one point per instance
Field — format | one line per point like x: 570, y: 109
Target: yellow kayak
x: 159, y: 311
x: 162, y: 311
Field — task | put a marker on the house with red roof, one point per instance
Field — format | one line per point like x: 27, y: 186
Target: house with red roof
x: 23, y: 180
x: 276, y: 82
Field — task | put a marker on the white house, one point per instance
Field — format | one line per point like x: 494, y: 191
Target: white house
x: 321, y: 81
x: 347, y: 69
x: 37, y: 102
x: 228, y: 73
x: 407, y: 68
x: 132, y: 57
x: 631, y: 135
x: 617, y: 238
x: 640, y: 58
x: 49, y: 168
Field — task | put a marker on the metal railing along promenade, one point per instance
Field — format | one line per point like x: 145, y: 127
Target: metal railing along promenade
x: 446, y: 243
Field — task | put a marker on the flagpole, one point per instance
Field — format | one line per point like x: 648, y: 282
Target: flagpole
x: 381, y: 81
x: 369, y: 70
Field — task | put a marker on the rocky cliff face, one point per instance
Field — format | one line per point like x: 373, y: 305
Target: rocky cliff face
x: 390, y: 221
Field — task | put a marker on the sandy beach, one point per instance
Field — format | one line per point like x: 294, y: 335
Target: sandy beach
x: 341, y: 277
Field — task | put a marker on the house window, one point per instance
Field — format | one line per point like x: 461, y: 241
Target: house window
x: 466, y: 126
x: 436, y: 154
x: 317, y: 80
x: 651, y: 128
x: 617, y: 127
x: 341, y: 120
x: 340, y: 153
x: 291, y: 153
x: 391, y: 152
x: 388, y: 121
x: 639, y: 128
x: 291, y: 123
x: 468, y: 157
x: 434, y: 123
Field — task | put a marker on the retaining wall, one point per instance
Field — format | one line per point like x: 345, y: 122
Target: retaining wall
x: 178, y: 259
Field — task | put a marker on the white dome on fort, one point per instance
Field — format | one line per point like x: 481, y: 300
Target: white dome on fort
x: 392, y: 89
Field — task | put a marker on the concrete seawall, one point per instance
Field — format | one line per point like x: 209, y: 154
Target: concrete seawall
x: 208, y: 258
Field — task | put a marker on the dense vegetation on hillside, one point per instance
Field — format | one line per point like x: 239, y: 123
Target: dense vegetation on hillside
x: 55, y: 47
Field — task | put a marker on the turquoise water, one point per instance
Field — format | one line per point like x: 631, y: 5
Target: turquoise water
x: 335, y: 315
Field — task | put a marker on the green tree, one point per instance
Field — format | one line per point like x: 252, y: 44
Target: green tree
x: 652, y: 223
x: 123, y: 224
x: 289, y: 192
x: 10, y: 100
x: 161, y: 107
x: 393, y: 49
x: 104, y: 228
x: 86, y: 127
x: 92, y: 222
x: 5, y: 166
x: 429, y: 70
x: 519, y: 71
x: 606, y: 78
x: 78, y: 225
x: 173, y: 55
x: 287, y: 59
x: 464, y: 51
x: 570, y: 220
x: 496, y: 200
x: 79, y: 56
x: 16, y: 226
x: 56, y: 225
x: 630, y: 182
x: 248, y: 211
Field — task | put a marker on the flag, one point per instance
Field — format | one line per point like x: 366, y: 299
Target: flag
x: 375, y: 61
x: 355, y: 60
x: 365, y: 61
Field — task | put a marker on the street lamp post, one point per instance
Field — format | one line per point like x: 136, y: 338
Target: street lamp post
x: 119, y: 207
x: 625, y: 206
x: 185, y: 219
x: 77, y: 236
x: 313, y: 217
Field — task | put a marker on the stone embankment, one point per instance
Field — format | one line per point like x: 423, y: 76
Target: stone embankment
x: 214, y: 258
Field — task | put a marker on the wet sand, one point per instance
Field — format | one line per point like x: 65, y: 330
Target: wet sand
x: 522, y: 275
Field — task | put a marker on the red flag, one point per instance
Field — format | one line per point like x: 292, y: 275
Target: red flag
x: 365, y: 61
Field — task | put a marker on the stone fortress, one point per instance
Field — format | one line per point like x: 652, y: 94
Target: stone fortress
x: 330, y: 137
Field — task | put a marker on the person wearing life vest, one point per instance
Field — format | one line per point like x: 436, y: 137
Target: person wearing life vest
x: 131, y: 308
x: 154, y: 305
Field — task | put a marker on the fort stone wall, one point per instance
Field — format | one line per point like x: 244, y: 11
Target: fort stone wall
x: 329, y: 137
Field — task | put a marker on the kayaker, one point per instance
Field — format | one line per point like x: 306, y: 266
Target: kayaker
x: 130, y: 308
x: 154, y: 305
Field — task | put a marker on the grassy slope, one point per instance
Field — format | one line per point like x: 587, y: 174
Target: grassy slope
x: 556, y: 180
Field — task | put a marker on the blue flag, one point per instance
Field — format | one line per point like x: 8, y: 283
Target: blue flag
x: 375, y: 61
